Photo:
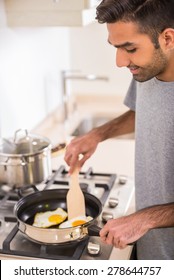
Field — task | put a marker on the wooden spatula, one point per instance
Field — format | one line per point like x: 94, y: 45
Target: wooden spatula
x: 75, y: 198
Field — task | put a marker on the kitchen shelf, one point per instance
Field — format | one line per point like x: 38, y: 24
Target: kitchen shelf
x: 38, y: 13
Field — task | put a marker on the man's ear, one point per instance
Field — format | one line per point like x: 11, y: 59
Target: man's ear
x: 166, y: 39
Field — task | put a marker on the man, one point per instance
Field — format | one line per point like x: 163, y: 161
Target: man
x: 142, y: 31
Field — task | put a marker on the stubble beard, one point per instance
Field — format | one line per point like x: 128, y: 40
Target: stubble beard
x: 156, y: 68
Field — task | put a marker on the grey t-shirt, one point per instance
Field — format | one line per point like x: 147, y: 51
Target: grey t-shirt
x: 153, y: 102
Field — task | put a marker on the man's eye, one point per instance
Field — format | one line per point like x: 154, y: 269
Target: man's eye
x: 131, y: 51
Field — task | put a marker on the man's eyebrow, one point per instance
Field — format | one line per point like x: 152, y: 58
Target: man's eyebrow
x: 126, y: 44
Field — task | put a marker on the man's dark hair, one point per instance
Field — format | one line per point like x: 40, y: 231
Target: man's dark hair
x: 151, y: 16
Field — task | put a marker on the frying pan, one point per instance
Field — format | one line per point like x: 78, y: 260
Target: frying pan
x: 48, y: 200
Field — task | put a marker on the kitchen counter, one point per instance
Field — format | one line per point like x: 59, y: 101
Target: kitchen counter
x: 80, y: 108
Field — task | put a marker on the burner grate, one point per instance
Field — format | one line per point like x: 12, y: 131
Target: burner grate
x: 99, y: 180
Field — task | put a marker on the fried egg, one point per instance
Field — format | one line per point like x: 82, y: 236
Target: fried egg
x: 80, y: 220
x: 50, y: 218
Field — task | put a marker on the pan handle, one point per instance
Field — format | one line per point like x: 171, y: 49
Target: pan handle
x: 93, y: 230
x: 21, y: 191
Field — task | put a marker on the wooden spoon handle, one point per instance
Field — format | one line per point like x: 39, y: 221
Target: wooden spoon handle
x: 74, y: 179
x: 75, y: 197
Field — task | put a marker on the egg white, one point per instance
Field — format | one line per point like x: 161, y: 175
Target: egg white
x: 50, y: 218
x: 75, y: 221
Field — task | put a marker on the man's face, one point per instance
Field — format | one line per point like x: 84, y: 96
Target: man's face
x: 136, y: 51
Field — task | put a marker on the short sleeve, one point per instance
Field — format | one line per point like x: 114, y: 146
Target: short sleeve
x: 130, y: 99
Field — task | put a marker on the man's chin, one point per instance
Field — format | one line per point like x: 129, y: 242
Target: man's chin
x: 141, y: 79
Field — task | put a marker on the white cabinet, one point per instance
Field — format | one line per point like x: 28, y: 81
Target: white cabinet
x: 30, y: 13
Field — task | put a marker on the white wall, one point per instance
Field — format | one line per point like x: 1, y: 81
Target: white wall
x: 91, y: 53
x: 30, y: 65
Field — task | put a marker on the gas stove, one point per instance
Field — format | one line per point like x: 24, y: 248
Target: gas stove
x: 115, y: 193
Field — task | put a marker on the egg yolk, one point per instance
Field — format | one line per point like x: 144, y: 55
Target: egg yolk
x: 78, y: 223
x: 55, y: 219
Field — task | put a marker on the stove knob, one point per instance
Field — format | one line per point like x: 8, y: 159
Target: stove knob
x: 113, y: 202
x: 107, y: 216
x: 122, y: 180
x: 93, y: 248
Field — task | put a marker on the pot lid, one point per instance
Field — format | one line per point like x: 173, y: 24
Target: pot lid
x: 23, y: 143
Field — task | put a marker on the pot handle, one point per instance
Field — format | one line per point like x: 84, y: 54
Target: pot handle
x: 21, y: 191
x: 58, y: 149
x: 17, y: 132
x: 9, y: 162
x: 93, y: 230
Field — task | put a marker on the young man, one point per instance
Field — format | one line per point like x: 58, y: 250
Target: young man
x: 142, y: 31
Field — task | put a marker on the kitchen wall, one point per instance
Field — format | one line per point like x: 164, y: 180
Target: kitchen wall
x: 31, y: 60
x: 30, y: 86
x: 30, y: 65
x: 91, y: 53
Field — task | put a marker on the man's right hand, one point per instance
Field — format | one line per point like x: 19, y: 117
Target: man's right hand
x: 80, y: 149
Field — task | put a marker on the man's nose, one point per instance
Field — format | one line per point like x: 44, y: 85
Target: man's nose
x: 122, y: 58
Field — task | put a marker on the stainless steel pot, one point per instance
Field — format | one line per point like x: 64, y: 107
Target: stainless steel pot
x: 25, y: 159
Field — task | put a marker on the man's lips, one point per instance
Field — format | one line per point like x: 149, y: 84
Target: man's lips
x: 134, y: 69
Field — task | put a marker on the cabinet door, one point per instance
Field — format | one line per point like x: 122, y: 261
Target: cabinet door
x: 56, y: 5
x: 50, y: 12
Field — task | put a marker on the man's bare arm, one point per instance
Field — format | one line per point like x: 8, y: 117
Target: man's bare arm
x: 86, y: 144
